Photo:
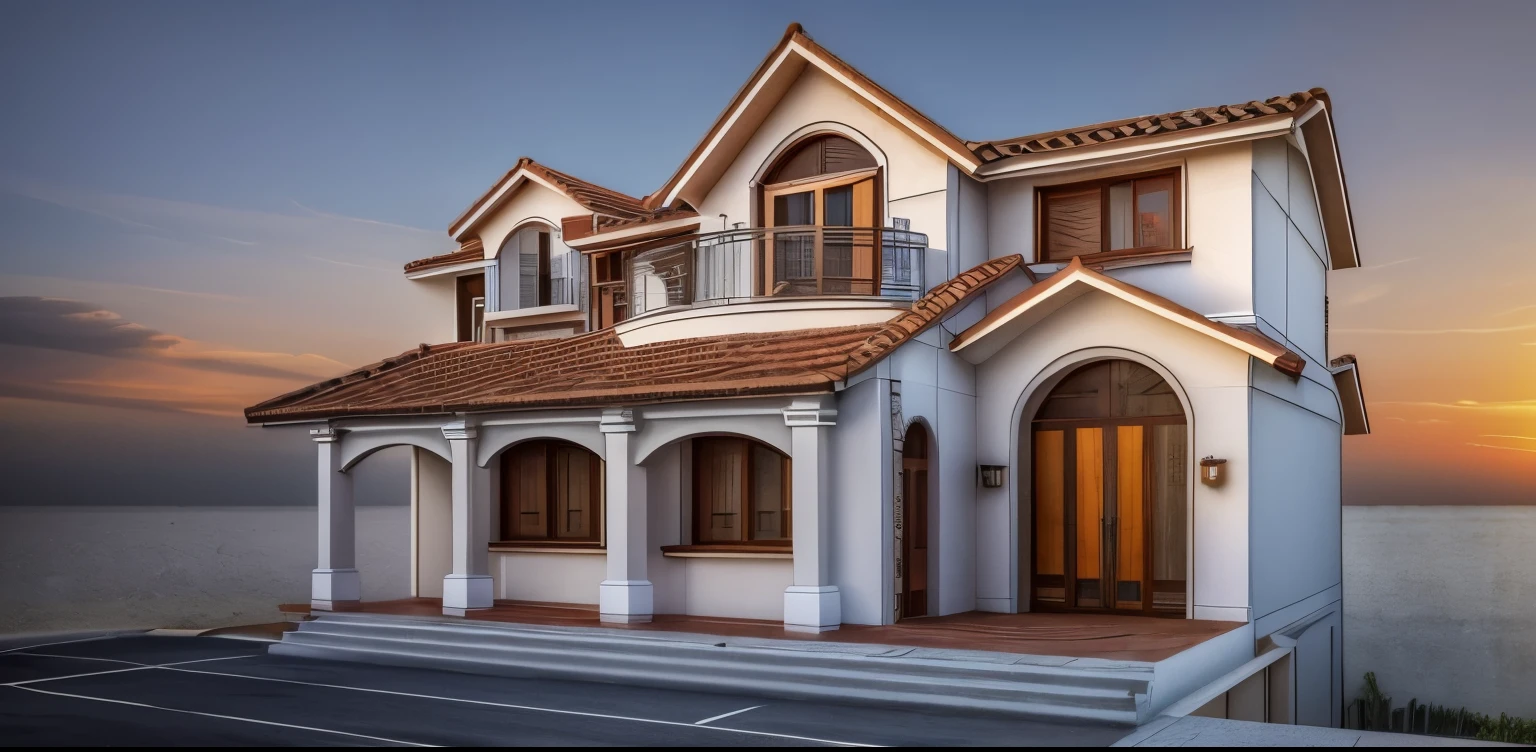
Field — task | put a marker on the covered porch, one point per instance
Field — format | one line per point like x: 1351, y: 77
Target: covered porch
x: 1065, y: 636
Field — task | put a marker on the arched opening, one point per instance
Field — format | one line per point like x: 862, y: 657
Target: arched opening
x: 1110, y: 493
x: 741, y: 493
x: 551, y: 494
x: 828, y: 189
x: 913, y: 530
x: 524, y: 273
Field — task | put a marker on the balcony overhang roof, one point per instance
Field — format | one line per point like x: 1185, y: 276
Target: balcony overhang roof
x: 596, y: 369
x: 987, y: 336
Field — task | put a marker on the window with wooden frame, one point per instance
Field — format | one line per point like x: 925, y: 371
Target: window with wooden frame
x: 828, y: 182
x: 551, y: 492
x: 469, y: 293
x: 741, y: 493
x: 1118, y: 216
x: 610, y: 293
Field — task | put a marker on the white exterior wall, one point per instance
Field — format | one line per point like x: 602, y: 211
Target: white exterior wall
x: 1290, y: 268
x: 432, y: 520
x: 938, y: 389
x: 532, y: 201
x: 1295, y: 514
x: 1212, y: 376
x: 915, y: 176
x: 563, y: 577
x: 1217, y: 220
x: 859, y: 540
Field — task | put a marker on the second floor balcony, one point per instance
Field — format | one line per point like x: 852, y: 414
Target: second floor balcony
x: 777, y: 262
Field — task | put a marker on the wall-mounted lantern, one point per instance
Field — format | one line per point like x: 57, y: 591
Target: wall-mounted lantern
x: 1210, y: 470
x: 991, y: 476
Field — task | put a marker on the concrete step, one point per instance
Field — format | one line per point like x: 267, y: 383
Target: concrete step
x: 846, y: 673
x: 1123, y: 675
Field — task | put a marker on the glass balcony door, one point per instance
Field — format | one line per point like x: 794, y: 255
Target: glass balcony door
x: 827, y: 246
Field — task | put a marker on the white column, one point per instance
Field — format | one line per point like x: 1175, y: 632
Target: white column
x: 812, y: 603
x: 334, y: 582
x: 468, y: 585
x: 625, y: 596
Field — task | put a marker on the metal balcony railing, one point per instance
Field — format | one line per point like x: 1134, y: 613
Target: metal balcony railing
x: 779, y: 262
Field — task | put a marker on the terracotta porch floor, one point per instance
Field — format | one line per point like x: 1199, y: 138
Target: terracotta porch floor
x: 1131, y: 638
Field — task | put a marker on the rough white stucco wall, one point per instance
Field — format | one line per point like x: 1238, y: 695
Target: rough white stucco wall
x: 1293, y: 504
x: 1212, y: 375
x: 433, y: 501
x: 858, y: 542
x: 915, y: 175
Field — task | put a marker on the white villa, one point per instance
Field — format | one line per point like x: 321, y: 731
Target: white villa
x: 844, y: 367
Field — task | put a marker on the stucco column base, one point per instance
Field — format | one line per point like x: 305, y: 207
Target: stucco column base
x: 812, y: 609
x: 335, y: 589
x: 625, y: 601
x: 466, y: 592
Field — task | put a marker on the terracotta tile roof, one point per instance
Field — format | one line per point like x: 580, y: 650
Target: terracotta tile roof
x: 1149, y: 125
x: 597, y: 369
x: 590, y: 196
x: 604, y: 224
x: 470, y: 250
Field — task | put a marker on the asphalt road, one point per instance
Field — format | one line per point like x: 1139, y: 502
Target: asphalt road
x: 205, y: 691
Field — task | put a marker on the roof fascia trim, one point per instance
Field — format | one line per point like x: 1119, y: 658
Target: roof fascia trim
x: 1077, y: 274
x: 624, y: 233
x: 966, y: 161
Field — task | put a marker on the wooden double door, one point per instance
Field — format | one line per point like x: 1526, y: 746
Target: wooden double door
x: 1110, y: 493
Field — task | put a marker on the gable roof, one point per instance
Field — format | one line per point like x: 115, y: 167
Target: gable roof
x: 1029, y: 307
x: 591, y: 196
x: 771, y: 80
x: 796, y: 50
x: 596, y: 369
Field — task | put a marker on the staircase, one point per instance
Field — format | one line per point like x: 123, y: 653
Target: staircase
x: 924, y: 679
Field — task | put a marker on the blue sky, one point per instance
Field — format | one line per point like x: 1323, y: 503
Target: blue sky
x: 248, y: 178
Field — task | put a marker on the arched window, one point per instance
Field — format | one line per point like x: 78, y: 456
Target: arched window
x: 524, y: 269
x: 831, y: 184
x: 551, y: 491
x: 740, y: 492
x: 1111, y: 483
x: 822, y: 155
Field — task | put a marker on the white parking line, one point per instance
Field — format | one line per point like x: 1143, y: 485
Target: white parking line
x: 64, y: 642
x: 136, y: 667
x: 714, y: 718
x: 225, y: 717
x: 526, y: 707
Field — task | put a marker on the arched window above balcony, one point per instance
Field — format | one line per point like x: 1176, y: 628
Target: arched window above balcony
x: 822, y: 155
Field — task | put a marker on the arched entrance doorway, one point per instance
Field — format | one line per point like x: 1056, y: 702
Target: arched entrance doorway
x: 1110, y: 493
x: 914, y: 530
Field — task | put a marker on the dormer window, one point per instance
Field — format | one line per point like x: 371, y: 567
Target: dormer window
x: 1118, y: 216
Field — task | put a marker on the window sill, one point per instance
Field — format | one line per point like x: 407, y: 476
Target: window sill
x: 728, y: 551
x: 546, y: 548
x: 1144, y: 258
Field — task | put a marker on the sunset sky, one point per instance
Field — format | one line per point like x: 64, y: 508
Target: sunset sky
x: 203, y: 205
